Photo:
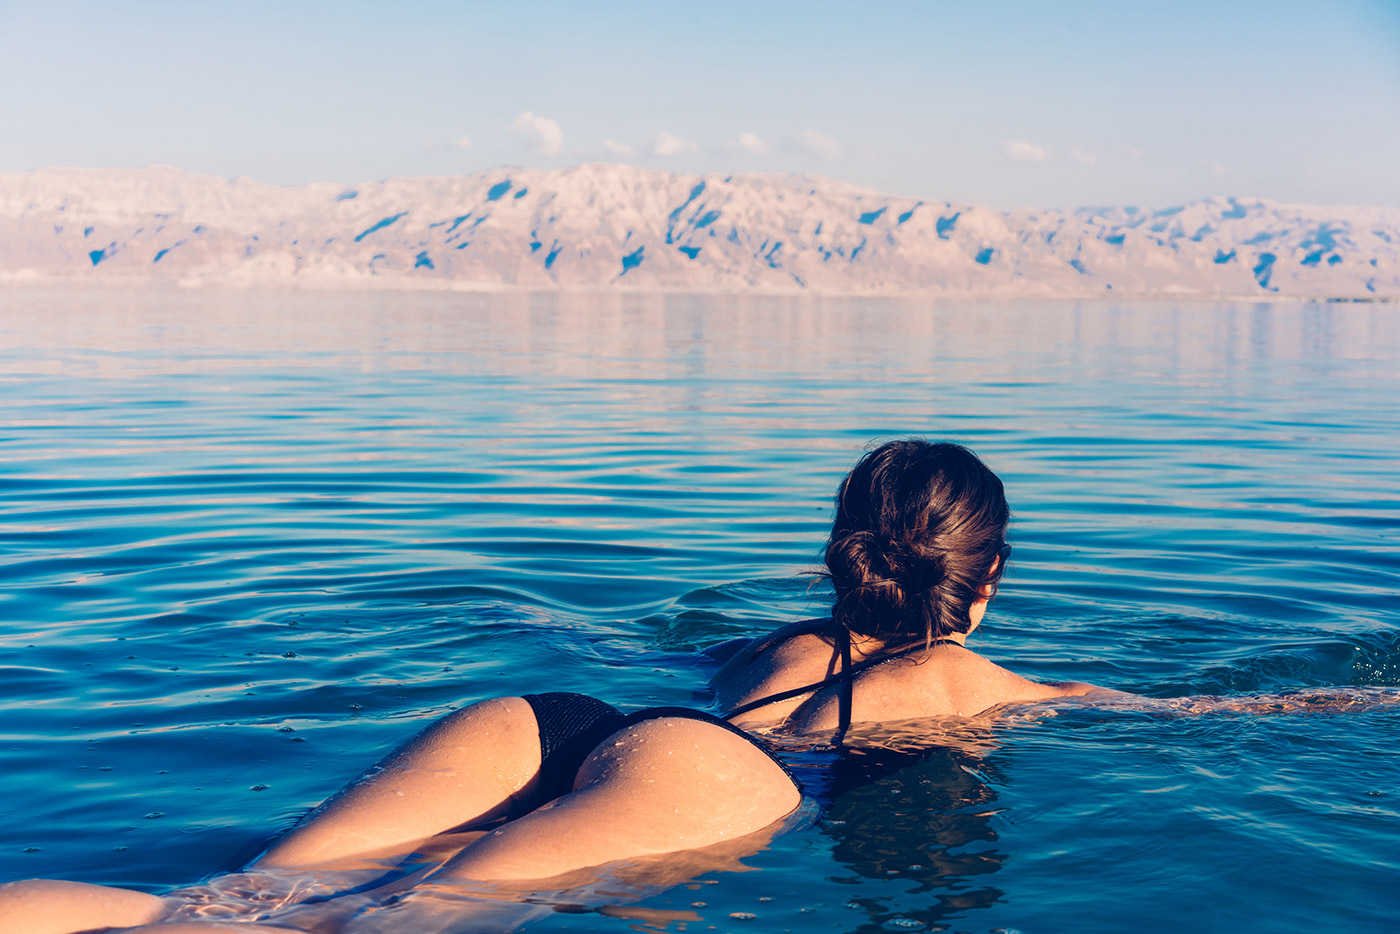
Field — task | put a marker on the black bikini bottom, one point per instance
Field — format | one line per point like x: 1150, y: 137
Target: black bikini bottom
x: 573, y: 725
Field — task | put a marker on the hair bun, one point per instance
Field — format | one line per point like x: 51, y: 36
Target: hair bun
x: 864, y: 559
x: 856, y: 560
x: 914, y: 541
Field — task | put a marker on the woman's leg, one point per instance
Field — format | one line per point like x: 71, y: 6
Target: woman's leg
x: 45, y: 906
x: 470, y: 767
x: 209, y: 927
x: 658, y: 786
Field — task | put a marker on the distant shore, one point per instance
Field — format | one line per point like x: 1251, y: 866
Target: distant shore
x: 615, y: 227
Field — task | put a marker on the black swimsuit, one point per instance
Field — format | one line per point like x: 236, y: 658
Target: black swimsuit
x: 573, y: 725
x: 846, y: 676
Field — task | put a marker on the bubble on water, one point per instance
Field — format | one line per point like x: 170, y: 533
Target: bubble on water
x: 915, y: 867
x: 154, y: 814
x: 852, y: 904
x: 31, y: 849
x: 806, y: 910
x: 765, y: 898
x: 698, y: 904
x: 289, y: 655
x: 903, y: 924
x: 742, y: 915
x: 285, y: 729
x: 356, y: 707
x: 259, y: 787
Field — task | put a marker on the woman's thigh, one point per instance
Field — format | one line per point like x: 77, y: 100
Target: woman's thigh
x: 472, y: 766
x: 655, y: 787
x: 47, y: 906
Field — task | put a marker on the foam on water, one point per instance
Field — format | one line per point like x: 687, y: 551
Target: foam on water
x: 250, y: 541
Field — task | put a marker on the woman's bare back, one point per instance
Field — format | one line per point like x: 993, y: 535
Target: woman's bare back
x: 945, y: 679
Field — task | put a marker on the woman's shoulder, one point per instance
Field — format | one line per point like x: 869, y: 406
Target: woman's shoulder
x: 1000, y: 685
x: 801, y: 635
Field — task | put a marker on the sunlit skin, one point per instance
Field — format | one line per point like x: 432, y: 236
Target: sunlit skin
x: 657, y: 787
x: 942, y: 681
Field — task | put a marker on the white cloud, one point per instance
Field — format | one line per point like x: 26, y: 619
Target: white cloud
x: 1083, y: 155
x: 670, y: 145
x: 539, y: 133
x: 1023, y: 151
x: 749, y: 143
x: 617, y: 148
x: 818, y: 144
x: 462, y: 142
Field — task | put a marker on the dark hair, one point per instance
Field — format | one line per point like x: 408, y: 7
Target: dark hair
x: 918, y: 529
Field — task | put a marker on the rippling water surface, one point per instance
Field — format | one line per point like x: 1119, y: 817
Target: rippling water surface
x: 248, y: 541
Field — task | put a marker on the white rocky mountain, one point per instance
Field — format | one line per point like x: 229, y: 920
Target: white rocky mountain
x: 605, y: 226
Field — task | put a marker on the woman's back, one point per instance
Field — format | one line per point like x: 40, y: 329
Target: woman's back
x: 917, y: 546
x: 886, y: 684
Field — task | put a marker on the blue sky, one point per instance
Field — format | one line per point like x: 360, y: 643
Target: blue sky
x: 1009, y: 104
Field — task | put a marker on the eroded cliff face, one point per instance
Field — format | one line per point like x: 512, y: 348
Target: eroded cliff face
x: 615, y: 226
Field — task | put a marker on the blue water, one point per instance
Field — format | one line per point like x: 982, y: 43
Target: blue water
x: 250, y: 540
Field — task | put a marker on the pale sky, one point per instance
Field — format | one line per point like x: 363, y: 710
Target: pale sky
x: 1016, y: 103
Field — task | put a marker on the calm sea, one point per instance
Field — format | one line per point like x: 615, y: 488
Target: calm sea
x: 250, y: 540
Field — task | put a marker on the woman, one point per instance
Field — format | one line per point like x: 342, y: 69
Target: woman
x: 916, y: 550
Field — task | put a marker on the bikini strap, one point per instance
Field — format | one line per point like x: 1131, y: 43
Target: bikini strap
x: 848, y: 683
x: 846, y: 676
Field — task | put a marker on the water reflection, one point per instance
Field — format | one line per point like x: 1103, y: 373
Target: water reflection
x: 662, y: 336
x: 910, y: 816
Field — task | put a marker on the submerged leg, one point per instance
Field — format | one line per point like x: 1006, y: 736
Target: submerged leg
x: 470, y: 767
x: 46, y: 906
x: 658, y: 786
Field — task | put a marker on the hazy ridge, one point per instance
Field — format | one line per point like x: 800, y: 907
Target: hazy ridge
x: 610, y: 226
